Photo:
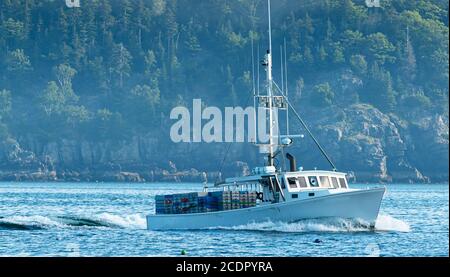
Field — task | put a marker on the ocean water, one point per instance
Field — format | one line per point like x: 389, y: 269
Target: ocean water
x: 108, y: 219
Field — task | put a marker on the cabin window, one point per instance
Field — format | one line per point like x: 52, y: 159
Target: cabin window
x: 294, y: 195
x: 313, y: 181
x: 292, y: 183
x: 342, y: 183
x: 335, y: 183
x: 302, y: 182
x: 325, y: 182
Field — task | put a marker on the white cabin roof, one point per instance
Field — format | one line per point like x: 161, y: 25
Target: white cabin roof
x: 257, y: 177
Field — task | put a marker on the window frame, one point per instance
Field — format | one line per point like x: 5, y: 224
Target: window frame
x: 305, y: 181
x: 328, y: 181
x: 336, y: 186
x: 345, y: 182
x: 291, y: 185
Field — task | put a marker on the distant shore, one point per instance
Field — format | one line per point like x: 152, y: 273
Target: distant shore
x: 191, y: 175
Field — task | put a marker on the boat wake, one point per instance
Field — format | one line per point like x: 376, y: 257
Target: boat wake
x: 384, y: 223
x: 35, y: 222
x: 102, y: 220
x: 138, y: 221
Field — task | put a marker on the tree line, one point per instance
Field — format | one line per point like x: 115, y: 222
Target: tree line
x: 113, y: 68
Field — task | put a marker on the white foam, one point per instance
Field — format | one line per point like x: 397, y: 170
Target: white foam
x: 133, y: 221
x: 325, y: 225
x: 384, y: 223
x: 389, y: 223
x: 34, y: 220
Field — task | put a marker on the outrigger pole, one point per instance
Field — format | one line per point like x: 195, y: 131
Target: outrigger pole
x: 270, y: 157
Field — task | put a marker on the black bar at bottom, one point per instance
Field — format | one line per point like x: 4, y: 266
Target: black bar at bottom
x: 207, y: 266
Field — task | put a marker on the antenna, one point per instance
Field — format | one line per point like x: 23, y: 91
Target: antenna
x: 253, y: 69
x: 257, y: 72
x: 269, y: 89
x: 254, y: 92
x: 270, y: 27
x: 282, y: 68
x: 286, y: 85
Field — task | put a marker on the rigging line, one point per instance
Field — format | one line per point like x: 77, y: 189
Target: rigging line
x: 228, y: 149
x: 307, y: 129
x: 281, y: 149
x: 284, y: 160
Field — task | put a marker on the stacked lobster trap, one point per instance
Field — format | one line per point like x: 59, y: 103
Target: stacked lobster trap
x: 201, y: 202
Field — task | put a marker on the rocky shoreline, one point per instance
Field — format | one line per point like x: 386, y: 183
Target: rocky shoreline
x: 191, y: 175
x: 371, y: 146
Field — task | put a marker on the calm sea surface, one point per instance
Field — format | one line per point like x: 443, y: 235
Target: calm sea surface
x: 108, y: 219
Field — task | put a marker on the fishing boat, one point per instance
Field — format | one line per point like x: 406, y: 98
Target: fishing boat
x: 271, y: 194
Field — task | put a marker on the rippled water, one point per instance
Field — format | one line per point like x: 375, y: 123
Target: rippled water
x: 92, y: 219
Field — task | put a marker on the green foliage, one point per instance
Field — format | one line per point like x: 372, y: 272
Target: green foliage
x: 440, y: 60
x: 378, y: 89
x: 127, y: 63
x: 121, y: 63
x: 53, y: 99
x: 59, y: 97
x: 104, y: 115
x: 338, y: 54
x: 352, y: 41
x: 13, y: 29
x: 76, y: 114
x: 149, y: 95
x: 235, y: 40
x: 5, y: 103
x: 380, y: 49
x: 358, y: 64
x: 17, y: 61
x: 416, y: 100
x: 322, y: 95
x: 105, y: 125
x: 64, y: 74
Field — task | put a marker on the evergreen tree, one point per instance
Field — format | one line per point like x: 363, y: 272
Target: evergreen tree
x: 121, y: 63
x: 17, y: 61
x: 378, y: 89
x: 322, y: 95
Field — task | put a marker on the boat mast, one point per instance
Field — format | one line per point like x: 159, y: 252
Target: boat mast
x: 270, y: 157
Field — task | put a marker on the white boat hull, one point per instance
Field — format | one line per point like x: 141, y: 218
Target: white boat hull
x: 362, y: 205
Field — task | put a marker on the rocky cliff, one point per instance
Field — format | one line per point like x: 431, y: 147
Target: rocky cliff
x: 370, y: 145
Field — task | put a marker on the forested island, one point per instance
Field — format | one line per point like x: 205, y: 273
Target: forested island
x: 86, y: 93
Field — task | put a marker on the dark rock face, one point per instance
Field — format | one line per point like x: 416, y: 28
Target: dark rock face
x: 377, y: 147
x: 429, y: 147
x: 370, y: 145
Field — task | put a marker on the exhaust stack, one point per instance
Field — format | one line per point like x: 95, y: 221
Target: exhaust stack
x: 292, y: 162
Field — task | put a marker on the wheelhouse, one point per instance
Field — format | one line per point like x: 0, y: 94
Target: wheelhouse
x: 286, y: 186
x: 306, y: 180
